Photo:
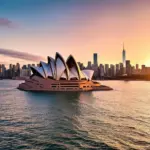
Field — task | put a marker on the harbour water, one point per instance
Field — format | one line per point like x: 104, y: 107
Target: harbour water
x: 118, y: 119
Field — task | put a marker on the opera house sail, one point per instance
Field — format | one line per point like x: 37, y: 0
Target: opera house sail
x: 60, y: 75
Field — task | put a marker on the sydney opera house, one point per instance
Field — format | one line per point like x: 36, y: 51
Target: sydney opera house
x: 60, y: 75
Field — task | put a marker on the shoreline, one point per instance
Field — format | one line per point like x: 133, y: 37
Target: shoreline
x: 23, y: 79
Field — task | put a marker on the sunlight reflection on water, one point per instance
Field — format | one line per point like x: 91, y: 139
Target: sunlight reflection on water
x: 118, y: 119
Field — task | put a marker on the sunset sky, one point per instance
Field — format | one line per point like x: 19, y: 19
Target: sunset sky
x: 78, y: 27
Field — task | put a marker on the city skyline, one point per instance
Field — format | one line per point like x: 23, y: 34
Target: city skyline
x: 93, y: 62
x: 101, y: 71
x: 44, y: 27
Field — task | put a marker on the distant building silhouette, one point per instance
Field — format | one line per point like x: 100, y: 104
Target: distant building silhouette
x: 101, y: 69
x: 128, y: 67
x: 124, y: 57
x: 106, y: 70
x: 95, y: 59
x: 121, y: 72
x: 89, y: 66
x: 137, y: 66
x: 112, y: 67
x: 81, y: 65
x: 117, y: 69
x: 143, y: 69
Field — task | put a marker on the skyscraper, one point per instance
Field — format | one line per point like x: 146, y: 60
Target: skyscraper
x: 117, y: 69
x: 143, y: 69
x: 128, y: 67
x: 106, y: 69
x: 112, y: 67
x: 95, y: 59
x: 124, y: 57
x: 10, y: 70
x: 121, y: 69
x: 137, y: 66
x: 3, y: 70
x: 89, y: 66
x: 101, y: 69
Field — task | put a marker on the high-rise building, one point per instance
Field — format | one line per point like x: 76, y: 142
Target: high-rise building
x: 17, y: 66
x: 3, y: 70
x: 25, y: 72
x: 10, y: 66
x: 95, y: 59
x: 10, y: 70
x: 112, y: 67
x: 18, y: 69
x: 132, y: 69
x: 128, y: 67
x: 29, y: 65
x: 143, y: 69
x: 121, y: 69
x: 14, y: 71
x: 117, y: 69
x: 137, y: 66
x: 124, y: 57
x: 89, y: 66
x: 24, y: 67
x: 81, y: 65
x: 106, y: 70
x: 101, y: 69
x: 109, y: 72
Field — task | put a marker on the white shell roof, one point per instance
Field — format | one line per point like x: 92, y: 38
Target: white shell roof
x: 74, y: 72
x: 71, y: 60
x: 53, y: 67
x: 39, y: 70
x: 47, y: 69
x: 59, y: 68
x: 64, y: 75
x: 88, y: 73
x: 85, y: 76
x: 71, y: 75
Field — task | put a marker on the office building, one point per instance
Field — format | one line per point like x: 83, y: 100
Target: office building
x: 106, y: 69
x: 89, y: 66
x: 128, y: 67
x: 137, y: 66
x: 95, y: 59
x: 124, y: 57
x: 112, y: 67
x: 121, y: 72
x: 117, y: 69
x: 101, y: 68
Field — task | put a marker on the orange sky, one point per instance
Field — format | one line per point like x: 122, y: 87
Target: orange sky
x: 84, y: 29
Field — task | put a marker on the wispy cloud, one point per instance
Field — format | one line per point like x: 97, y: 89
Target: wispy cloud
x: 4, y: 22
x: 20, y: 55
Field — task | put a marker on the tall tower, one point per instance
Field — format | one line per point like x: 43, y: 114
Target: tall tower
x: 95, y: 59
x: 124, y: 57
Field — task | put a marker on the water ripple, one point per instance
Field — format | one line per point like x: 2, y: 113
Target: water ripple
x: 92, y: 120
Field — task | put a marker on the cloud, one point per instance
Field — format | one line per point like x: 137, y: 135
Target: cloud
x: 4, y: 22
x: 20, y: 55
